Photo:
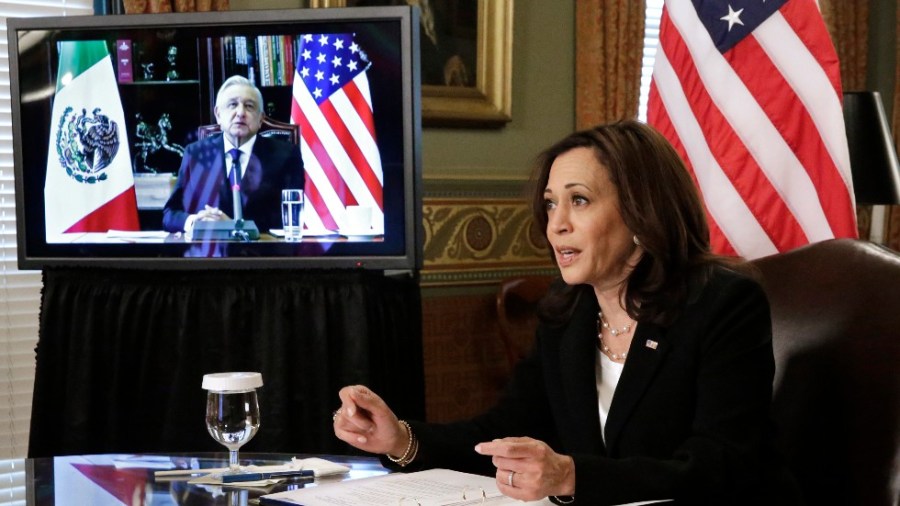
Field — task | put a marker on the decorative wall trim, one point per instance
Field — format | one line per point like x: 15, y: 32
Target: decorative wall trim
x: 472, y: 241
x: 436, y: 282
x: 484, y: 187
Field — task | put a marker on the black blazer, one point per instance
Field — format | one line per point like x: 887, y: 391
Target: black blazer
x: 273, y: 166
x: 689, y: 419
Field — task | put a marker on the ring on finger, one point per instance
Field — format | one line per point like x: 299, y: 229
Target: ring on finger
x: 509, y: 479
x: 334, y: 415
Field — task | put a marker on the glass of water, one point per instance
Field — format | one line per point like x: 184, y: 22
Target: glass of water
x: 232, y: 410
x: 292, y: 214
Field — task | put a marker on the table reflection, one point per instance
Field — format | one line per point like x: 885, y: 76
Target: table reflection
x: 128, y: 479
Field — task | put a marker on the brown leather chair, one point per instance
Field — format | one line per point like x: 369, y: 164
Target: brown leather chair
x: 516, y: 300
x: 836, y: 331
x: 269, y: 128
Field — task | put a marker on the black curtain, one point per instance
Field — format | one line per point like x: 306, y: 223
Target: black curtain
x: 121, y: 355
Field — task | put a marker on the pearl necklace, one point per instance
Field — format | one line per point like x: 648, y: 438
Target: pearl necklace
x: 603, y: 324
x: 612, y: 330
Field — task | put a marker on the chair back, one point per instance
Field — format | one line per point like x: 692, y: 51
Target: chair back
x: 517, y: 300
x: 269, y: 128
x: 836, y: 334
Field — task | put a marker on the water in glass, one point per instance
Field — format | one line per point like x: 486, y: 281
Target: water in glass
x: 292, y: 214
x: 232, y: 410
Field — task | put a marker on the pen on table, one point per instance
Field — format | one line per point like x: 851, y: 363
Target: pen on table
x: 190, y: 472
x: 298, y: 473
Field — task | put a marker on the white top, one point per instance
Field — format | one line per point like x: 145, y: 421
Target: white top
x: 608, y: 373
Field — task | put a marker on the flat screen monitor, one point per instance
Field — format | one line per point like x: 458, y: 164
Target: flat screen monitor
x: 115, y: 133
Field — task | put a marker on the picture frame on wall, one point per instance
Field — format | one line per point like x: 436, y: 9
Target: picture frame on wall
x: 466, y: 59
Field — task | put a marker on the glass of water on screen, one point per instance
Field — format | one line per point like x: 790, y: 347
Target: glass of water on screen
x: 292, y: 214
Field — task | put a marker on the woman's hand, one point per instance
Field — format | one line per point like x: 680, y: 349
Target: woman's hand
x: 537, y: 470
x: 366, y: 422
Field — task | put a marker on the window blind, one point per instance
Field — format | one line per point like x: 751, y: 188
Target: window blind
x: 19, y: 290
x: 653, y: 15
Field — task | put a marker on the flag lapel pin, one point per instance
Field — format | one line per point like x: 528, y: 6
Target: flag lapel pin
x: 651, y: 344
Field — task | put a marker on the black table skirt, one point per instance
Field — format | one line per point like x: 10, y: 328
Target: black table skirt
x: 122, y: 353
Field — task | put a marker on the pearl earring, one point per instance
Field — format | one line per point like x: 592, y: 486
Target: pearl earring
x: 636, y: 241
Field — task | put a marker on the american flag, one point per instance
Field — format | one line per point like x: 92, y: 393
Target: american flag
x: 749, y: 93
x: 333, y: 106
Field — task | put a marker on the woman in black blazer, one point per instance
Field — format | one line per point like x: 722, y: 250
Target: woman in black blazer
x: 651, y: 375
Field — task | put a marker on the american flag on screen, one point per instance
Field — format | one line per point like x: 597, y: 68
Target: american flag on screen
x: 333, y: 106
x: 749, y: 93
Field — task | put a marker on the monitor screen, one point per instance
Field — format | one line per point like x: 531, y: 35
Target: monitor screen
x: 122, y: 129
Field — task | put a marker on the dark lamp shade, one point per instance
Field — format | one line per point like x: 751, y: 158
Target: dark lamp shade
x: 873, y: 158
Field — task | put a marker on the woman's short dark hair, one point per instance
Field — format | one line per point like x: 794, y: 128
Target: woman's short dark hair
x: 658, y: 203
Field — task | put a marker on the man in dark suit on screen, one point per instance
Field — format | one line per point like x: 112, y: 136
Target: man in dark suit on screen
x: 265, y: 166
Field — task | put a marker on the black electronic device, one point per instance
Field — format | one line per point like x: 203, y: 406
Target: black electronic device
x: 166, y: 70
x: 225, y: 230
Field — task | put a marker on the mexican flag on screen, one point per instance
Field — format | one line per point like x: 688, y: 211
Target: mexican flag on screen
x: 89, y: 185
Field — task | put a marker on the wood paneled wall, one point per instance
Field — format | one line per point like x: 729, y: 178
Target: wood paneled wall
x: 465, y: 365
x: 474, y: 238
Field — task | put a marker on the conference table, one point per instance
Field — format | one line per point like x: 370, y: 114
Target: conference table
x: 129, y: 479
x: 134, y: 479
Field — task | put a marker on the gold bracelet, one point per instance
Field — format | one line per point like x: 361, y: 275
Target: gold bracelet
x: 413, y: 453
x: 412, y: 448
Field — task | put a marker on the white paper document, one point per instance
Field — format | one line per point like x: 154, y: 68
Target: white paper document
x: 320, y: 232
x: 136, y: 234
x: 435, y: 487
